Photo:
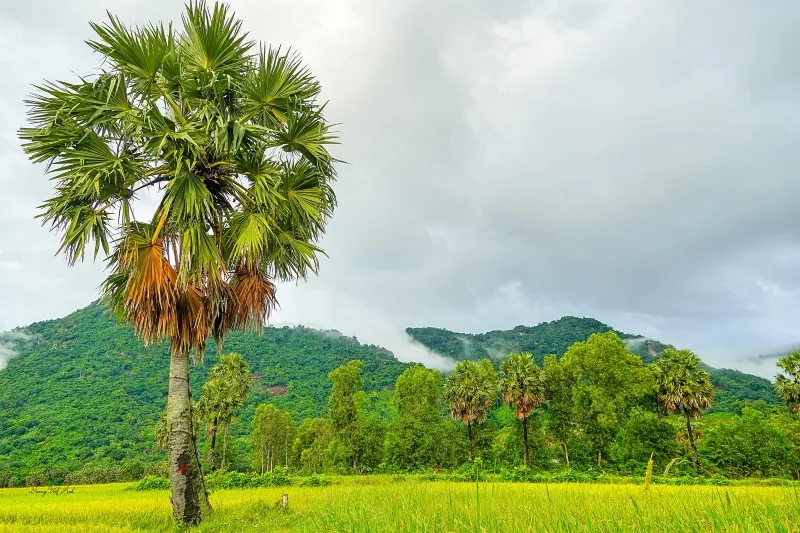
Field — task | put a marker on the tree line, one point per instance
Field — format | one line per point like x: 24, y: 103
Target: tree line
x: 597, y: 407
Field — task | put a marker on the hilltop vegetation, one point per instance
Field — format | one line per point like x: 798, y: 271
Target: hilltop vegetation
x: 732, y: 386
x: 546, y: 338
x: 84, y: 391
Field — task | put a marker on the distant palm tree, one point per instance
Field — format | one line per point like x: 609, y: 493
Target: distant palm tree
x: 471, y: 392
x: 789, y: 387
x: 522, y: 386
x: 683, y: 387
x: 229, y: 142
x: 224, y: 391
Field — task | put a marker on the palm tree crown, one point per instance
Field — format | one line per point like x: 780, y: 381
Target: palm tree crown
x: 521, y: 384
x: 229, y: 141
x: 471, y: 390
x: 681, y: 382
x: 225, y: 390
x: 788, y: 382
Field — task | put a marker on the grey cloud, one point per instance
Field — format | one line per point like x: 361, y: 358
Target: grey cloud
x: 508, y: 163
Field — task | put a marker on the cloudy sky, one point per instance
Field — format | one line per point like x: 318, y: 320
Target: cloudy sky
x: 508, y: 163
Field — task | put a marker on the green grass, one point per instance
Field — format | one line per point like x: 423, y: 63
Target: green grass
x: 371, y: 504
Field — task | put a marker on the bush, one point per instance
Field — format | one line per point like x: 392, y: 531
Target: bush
x: 152, y: 483
x: 8, y: 480
x: 749, y: 446
x: 91, y: 474
x: 316, y: 481
x: 242, y: 480
x: 639, y: 437
x: 468, y: 472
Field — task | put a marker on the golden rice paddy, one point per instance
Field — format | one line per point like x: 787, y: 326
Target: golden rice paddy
x: 380, y: 504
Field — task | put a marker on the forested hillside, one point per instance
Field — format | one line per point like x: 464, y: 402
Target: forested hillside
x: 546, y: 338
x: 83, y: 389
x: 557, y: 336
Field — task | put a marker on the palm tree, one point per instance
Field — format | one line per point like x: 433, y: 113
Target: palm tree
x: 522, y: 386
x: 229, y: 142
x: 683, y: 387
x: 224, y: 391
x: 789, y: 387
x: 471, y: 392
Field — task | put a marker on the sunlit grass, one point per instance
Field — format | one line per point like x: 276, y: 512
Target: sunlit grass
x: 378, y: 504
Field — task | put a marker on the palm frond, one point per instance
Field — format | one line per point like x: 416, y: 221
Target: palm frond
x: 137, y: 52
x: 213, y: 40
x: 255, y: 299
x: 277, y: 84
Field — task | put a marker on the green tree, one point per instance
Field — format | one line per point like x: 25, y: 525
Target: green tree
x: 471, y: 392
x: 342, y: 407
x: 359, y: 442
x: 789, y: 426
x: 644, y: 434
x: 231, y: 139
x: 272, y: 435
x: 522, y: 386
x: 311, y: 445
x: 787, y: 383
x: 749, y: 446
x: 420, y: 437
x: 367, y: 441
x: 683, y: 387
x: 507, y: 451
x: 558, y: 396
x: 604, y: 380
x: 224, y: 392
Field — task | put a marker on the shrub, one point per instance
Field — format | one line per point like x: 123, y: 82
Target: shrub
x: 152, y: 483
x: 316, y: 481
x: 749, y: 446
x: 242, y: 480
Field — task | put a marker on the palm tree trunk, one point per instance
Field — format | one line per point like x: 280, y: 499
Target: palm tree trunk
x: 566, y: 453
x: 224, y: 463
x: 525, y: 442
x: 212, y: 451
x: 188, y: 497
x: 692, y: 443
x: 471, y: 448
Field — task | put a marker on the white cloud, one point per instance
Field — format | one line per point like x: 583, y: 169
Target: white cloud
x: 9, y: 345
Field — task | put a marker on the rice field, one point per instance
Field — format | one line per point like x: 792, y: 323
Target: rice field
x: 372, y: 505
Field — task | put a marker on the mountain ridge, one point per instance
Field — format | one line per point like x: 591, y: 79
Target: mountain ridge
x: 84, y: 390
x: 556, y: 336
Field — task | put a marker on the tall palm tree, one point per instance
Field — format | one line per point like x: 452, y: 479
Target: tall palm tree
x: 789, y: 387
x: 229, y: 142
x: 683, y: 387
x: 471, y: 392
x: 522, y: 386
x: 224, y: 391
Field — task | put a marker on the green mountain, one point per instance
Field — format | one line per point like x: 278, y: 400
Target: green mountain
x: 546, y: 338
x: 83, y: 390
x: 557, y: 336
